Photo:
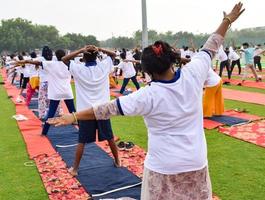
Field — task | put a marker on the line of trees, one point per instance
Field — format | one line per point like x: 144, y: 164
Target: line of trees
x: 21, y: 35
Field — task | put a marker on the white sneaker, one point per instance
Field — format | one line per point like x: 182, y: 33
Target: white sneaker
x: 19, y: 100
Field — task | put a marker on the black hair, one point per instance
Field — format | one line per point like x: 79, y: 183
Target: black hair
x: 20, y: 57
x: 246, y: 44
x: 59, y: 54
x: 153, y: 63
x: 47, y: 53
x: 23, y: 53
x: 12, y: 56
x: 186, y: 48
x: 90, y: 56
x: 123, y: 55
x: 33, y: 55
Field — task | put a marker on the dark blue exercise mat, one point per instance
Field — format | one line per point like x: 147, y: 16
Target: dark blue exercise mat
x: 33, y: 104
x: 97, y: 172
x: 228, y: 120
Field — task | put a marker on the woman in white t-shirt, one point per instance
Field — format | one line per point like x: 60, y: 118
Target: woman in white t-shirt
x: 59, y: 87
x: 129, y: 73
x: 176, y: 162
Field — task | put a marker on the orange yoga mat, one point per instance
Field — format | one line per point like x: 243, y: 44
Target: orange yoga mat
x: 248, y: 97
x: 253, y: 133
x: 247, y: 83
x: 31, y: 128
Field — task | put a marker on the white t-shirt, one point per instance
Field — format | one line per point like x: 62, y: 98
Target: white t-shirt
x: 188, y: 53
x: 26, y: 70
x: 257, y: 52
x: 127, y: 68
x: 42, y: 73
x: 233, y: 55
x: 221, y: 55
x: 173, y: 115
x: 59, y: 80
x: 213, y: 79
x: 92, y: 83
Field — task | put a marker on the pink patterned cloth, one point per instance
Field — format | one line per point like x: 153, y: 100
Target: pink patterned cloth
x: 195, y: 185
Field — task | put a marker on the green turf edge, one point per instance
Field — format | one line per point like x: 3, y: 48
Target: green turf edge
x: 16, y: 180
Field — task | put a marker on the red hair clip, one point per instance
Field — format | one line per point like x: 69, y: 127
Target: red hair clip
x: 158, y: 50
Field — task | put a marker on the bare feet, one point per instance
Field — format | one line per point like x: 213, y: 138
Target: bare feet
x: 72, y: 171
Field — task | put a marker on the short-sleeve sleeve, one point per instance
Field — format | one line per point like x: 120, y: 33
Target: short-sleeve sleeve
x: 121, y: 65
x: 107, y: 62
x: 199, y: 66
x: 72, y: 67
x: 46, y: 65
x: 137, y: 103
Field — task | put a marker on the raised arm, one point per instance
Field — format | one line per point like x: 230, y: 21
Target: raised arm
x: 216, y: 39
x: 108, y: 52
x: 66, y: 59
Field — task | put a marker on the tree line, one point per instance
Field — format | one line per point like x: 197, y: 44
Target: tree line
x: 21, y: 35
x: 18, y: 35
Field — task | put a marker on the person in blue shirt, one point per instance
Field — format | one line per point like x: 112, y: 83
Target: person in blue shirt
x: 249, y: 59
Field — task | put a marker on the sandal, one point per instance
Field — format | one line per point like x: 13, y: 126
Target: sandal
x: 121, y: 145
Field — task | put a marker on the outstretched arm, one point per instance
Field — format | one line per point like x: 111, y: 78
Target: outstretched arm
x: 133, y: 61
x: 101, y: 112
x: 23, y: 62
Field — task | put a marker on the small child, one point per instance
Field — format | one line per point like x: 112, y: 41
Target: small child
x: 129, y: 73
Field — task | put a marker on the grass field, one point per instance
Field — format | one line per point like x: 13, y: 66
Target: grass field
x: 237, y: 168
x: 17, y: 182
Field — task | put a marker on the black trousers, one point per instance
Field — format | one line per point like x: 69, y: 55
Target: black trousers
x: 225, y: 64
x: 257, y: 62
x: 236, y: 62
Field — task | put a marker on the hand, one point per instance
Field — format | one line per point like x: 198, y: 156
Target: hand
x: 62, y: 121
x: 235, y: 13
x: 91, y: 48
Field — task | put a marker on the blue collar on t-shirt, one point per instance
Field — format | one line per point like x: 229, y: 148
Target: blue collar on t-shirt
x: 91, y: 63
x: 176, y: 77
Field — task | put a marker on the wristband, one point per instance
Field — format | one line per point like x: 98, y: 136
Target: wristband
x: 229, y: 20
x: 75, y: 118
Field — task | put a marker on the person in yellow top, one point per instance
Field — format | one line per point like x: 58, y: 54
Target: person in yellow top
x: 213, y: 101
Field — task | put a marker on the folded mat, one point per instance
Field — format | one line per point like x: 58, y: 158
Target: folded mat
x: 228, y: 120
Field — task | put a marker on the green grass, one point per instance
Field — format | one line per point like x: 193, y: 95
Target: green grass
x: 16, y: 180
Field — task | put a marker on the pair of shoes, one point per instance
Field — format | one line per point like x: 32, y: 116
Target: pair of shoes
x: 125, y: 145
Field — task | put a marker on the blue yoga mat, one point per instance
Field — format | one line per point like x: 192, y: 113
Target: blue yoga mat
x: 227, y: 120
x: 97, y: 172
